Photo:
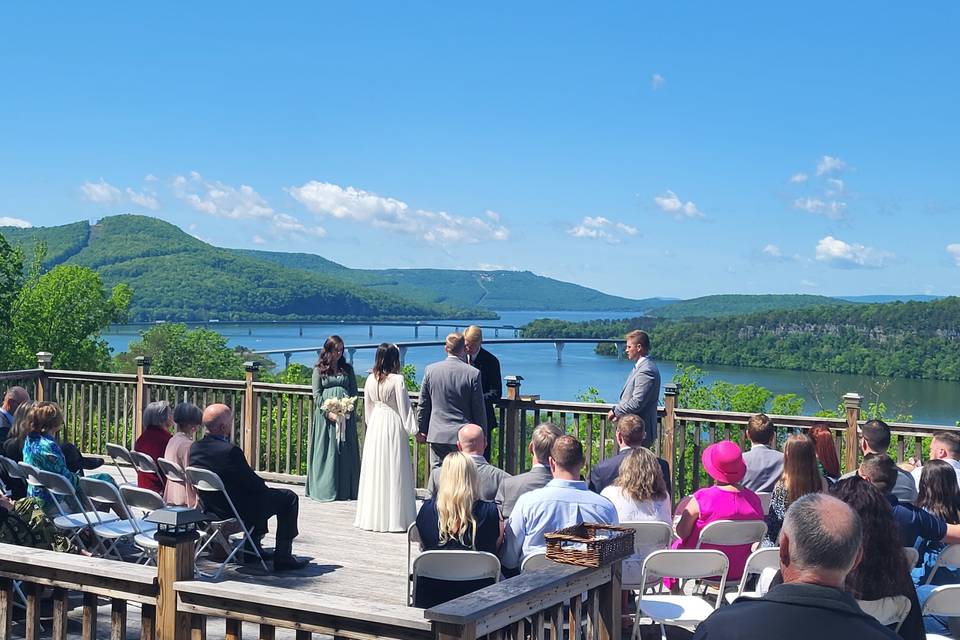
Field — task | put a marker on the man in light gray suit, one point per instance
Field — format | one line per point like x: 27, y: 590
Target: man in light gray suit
x: 450, y: 397
x: 512, y: 487
x: 764, y: 463
x: 471, y: 441
x: 642, y: 390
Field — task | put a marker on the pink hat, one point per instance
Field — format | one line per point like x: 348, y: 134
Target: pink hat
x: 724, y: 462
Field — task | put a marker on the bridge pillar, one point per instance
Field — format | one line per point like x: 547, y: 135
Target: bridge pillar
x: 416, y: 331
x: 403, y: 356
x: 250, y: 332
x: 619, y: 346
x: 301, y: 331
x: 436, y: 331
x: 371, y: 331
x: 496, y: 333
x: 286, y: 359
x: 559, y: 344
x: 516, y: 333
x: 350, y: 352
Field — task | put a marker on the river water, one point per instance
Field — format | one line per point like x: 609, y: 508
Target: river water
x: 928, y: 401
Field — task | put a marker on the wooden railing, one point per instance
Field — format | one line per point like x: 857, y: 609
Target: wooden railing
x: 273, y: 422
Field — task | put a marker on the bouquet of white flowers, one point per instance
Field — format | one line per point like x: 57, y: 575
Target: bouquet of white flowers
x: 341, y: 407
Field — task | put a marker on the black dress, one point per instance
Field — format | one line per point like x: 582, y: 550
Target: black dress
x: 434, y: 591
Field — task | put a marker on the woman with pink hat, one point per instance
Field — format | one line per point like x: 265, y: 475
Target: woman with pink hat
x: 725, y: 500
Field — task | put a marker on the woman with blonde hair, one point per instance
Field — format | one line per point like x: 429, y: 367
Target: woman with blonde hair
x: 800, y: 477
x: 455, y: 519
x: 640, y: 495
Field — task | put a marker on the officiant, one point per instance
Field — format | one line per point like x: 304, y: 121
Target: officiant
x: 490, y: 378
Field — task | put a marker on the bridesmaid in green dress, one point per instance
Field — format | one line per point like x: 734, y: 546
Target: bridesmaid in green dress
x: 334, y: 469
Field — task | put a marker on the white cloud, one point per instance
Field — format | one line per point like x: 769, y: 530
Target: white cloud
x: 20, y: 223
x: 798, y: 178
x: 838, y: 253
x: 808, y: 283
x: 258, y: 240
x: 101, y: 192
x: 772, y: 251
x: 833, y: 209
x: 238, y: 203
x: 488, y: 266
x: 835, y: 187
x: 657, y: 81
x: 357, y: 205
x: 830, y: 164
x: 143, y: 199
x: 601, y: 228
x: 952, y: 249
x: 670, y: 203
x: 150, y: 178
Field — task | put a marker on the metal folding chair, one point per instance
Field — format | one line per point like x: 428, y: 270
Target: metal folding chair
x: 61, y: 490
x: 145, y: 464
x: 455, y: 566
x: 145, y: 502
x: 111, y: 532
x: 759, y: 561
x: 119, y: 452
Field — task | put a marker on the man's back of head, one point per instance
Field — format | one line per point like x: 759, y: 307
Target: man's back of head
x: 820, y: 541
x: 455, y: 345
x: 948, y: 443
x: 880, y: 470
x: 876, y: 436
x: 760, y: 429
x: 631, y: 430
x: 14, y: 397
x: 542, y: 440
x: 218, y: 420
x: 471, y: 440
x: 566, y: 458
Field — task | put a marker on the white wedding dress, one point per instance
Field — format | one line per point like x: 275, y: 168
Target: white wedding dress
x: 387, y: 497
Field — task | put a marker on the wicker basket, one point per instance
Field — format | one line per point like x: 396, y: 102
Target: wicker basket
x: 581, y: 544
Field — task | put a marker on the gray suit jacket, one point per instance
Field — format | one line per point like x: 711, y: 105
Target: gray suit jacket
x: 764, y: 468
x: 512, y: 487
x: 450, y: 397
x: 491, y: 479
x: 640, y: 395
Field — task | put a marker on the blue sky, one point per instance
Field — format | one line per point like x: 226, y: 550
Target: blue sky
x: 678, y: 150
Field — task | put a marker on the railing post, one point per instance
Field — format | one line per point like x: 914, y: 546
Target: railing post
x: 141, y: 396
x: 175, y: 562
x: 610, y: 604
x: 251, y: 420
x: 512, y: 424
x: 851, y: 403
x: 669, y: 422
x: 44, y: 362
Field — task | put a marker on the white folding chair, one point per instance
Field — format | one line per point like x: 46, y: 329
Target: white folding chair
x: 943, y: 601
x: 455, y: 566
x: 12, y: 469
x: 145, y: 502
x: 145, y: 464
x: 648, y: 537
x: 535, y: 561
x: 731, y: 533
x: 765, y: 498
x: 949, y: 557
x: 111, y: 532
x: 207, y: 482
x: 69, y: 521
x: 681, y: 610
x: 759, y: 561
x: 118, y: 452
x: 413, y: 538
x: 912, y: 555
x: 172, y: 471
x: 889, y: 611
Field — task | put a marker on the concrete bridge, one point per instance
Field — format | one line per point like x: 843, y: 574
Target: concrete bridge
x: 351, y: 349
x: 436, y: 325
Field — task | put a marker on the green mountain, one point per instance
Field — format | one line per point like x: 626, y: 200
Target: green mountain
x: 914, y: 297
x: 175, y: 276
x: 501, y: 290
x: 734, y: 305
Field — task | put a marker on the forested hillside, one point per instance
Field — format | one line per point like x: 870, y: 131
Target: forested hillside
x: 736, y: 305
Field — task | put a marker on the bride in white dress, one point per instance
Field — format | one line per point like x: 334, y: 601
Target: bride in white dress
x: 387, y: 498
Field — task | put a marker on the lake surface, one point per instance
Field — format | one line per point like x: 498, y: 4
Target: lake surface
x: 928, y: 401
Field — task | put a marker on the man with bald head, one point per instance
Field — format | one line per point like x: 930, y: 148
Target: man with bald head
x: 254, y: 500
x: 12, y: 399
x: 820, y: 543
x: 471, y: 440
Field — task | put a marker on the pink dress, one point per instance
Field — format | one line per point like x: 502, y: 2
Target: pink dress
x: 717, y: 504
x: 178, y: 450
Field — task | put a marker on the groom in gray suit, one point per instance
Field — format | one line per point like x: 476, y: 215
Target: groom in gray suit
x: 640, y: 393
x: 450, y: 397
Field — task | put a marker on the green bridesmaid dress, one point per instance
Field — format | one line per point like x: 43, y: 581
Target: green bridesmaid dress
x: 334, y: 469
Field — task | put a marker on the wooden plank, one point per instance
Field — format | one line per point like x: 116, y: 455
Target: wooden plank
x: 574, y: 619
x: 198, y: 627
x: 303, y: 634
x: 32, y: 617
x: 286, y: 468
x: 148, y: 622
x: 60, y: 608
x: 268, y: 632
x: 118, y: 619
x: 234, y: 630
x: 6, y: 606
x: 89, y: 629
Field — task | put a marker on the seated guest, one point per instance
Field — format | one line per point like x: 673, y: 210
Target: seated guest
x: 945, y: 446
x: 639, y: 494
x: 157, y: 420
x: 512, y: 487
x: 25, y: 524
x: 764, y: 463
x: 13, y: 398
x: 826, y: 451
x: 564, y: 502
x: 800, y: 477
x: 456, y: 519
x: 188, y: 418
x: 472, y: 441
x: 254, y: 500
x: 725, y: 500
x: 13, y: 449
x: 875, y: 439
x: 938, y: 495
x: 882, y: 571
x: 820, y: 544
x: 630, y: 434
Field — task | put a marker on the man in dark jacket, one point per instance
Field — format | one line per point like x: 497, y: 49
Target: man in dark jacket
x: 629, y: 435
x: 254, y: 500
x: 819, y: 545
x: 491, y: 381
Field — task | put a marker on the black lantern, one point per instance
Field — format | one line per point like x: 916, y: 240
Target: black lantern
x: 513, y: 387
x: 176, y: 524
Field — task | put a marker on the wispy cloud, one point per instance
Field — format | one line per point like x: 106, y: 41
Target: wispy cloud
x: 657, y: 81
x: 798, y: 178
x: 258, y: 240
x: 670, y: 202
x: 20, y: 223
x: 102, y: 192
x: 772, y: 251
x: 392, y: 214
x: 954, y: 251
x: 600, y: 228
x: 143, y: 199
x: 489, y: 266
x: 830, y: 164
x: 838, y: 253
x: 238, y: 203
x: 833, y: 209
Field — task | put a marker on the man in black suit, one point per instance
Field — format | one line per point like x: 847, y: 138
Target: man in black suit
x: 512, y: 487
x: 12, y: 399
x: 254, y: 500
x: 490, y: 379
x: 630, y: 435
